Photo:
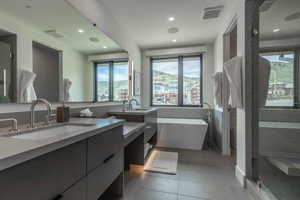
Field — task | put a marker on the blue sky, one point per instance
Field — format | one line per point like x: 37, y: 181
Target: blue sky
x: 191, y: 68
x: 276, y: 58
x: 120, y: 72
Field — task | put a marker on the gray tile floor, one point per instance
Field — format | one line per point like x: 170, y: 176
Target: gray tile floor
x: 201, y: 176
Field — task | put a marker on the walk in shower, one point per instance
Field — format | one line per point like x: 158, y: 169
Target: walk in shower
x: 278, y: 170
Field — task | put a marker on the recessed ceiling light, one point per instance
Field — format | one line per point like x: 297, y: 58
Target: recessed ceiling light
x: 104, y: 47
x: 276, y: 30
x: 80, y: 30
x: 174, y: 40
x: 171, y: 19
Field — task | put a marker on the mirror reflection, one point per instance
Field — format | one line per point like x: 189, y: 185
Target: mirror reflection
x: 280, y: 45
x: 48, y: 50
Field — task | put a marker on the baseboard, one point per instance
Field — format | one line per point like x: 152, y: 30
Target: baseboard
x: 257, y: 193
x: 240, y: 175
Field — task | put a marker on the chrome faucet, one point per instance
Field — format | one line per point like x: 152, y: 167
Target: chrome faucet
x: 130, y: 103
x: 14, y: 126
x: 32, y: 114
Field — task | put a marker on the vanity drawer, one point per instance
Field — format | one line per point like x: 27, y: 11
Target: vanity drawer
x: 104, y: 175
x: 101, y: 146
x: 76, y: 192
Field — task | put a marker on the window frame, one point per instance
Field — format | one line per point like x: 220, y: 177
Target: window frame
x: 111, y: 78
x: 296, y: 84
x: 180, y: 94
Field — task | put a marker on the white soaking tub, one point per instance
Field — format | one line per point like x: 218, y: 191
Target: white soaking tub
x: 181, y: 133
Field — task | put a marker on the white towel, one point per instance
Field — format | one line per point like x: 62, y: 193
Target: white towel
x: 67, y: 86
x: 27, y: 92
x: 264, y: 76
x: 218, y: 87
x: 233, y: 70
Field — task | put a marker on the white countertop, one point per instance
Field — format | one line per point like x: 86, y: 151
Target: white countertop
x: 132, y: 127
x: 15, y: 151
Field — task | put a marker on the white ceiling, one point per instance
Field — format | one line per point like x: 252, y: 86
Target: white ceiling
x: 274, y: 18
x: 57, y: 14
x: 147, y: 20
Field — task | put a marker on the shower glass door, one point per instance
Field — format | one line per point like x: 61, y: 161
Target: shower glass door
x: 279, y: 119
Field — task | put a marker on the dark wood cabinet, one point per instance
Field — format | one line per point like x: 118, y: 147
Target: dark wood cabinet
x: 101, y: 177
x: 81, y: 171
x: 46, y: 176
x: 135, y: 143
x: 104, y: 145
x: 78, y: 191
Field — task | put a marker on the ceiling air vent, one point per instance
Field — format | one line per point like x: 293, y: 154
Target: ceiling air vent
x: 54, y: 33
x: 94, y: 39
x: 173, y: 30
x: 266, y: 5
x: 212, y: 12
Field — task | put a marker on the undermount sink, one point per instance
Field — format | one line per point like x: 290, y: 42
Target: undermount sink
x: 48, y: 131
x: 138, y: 110
x: 142, y: 109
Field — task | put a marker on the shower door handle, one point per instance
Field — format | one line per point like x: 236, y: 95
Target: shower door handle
x: 3, y: 82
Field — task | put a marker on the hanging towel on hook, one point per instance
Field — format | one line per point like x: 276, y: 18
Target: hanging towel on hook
x: 67, y: 87
x: 233, y: 70
x: 27, y: 92
x: 217, y: 77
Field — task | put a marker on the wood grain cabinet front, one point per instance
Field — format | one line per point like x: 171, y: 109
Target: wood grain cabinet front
x: 80, y: 171
x: 101, y: 146
x: 75, y: 192
x: 103, y: 176
x: 46, y: 176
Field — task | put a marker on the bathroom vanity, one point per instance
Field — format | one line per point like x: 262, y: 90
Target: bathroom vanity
x: 135, y: 145
x: 77, y: 165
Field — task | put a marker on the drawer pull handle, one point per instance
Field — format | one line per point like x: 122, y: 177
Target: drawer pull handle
x: 148, y: 127
x: 58, y: 197
x: 108, y: 158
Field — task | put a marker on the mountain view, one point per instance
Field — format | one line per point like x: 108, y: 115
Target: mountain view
x: 281, y: 81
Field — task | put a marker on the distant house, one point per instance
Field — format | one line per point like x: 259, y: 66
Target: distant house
x: 281, y: 89
x: 158, y: 88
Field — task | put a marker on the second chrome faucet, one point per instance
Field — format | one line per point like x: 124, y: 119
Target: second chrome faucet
x: 32, y: 111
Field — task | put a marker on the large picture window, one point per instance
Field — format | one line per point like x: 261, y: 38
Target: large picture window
x: 177, y: 81
x: 111, y: 81
x: 282, y: 79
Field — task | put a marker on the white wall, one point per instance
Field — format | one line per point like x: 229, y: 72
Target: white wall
x: 236, y: 11
x: 96, y: 12
x: 74, y: 63
x: 208, y: 70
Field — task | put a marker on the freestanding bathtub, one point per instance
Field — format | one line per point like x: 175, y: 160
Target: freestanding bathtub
x: 181, y: 133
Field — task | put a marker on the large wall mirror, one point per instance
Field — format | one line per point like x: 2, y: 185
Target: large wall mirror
x: 49, y: 50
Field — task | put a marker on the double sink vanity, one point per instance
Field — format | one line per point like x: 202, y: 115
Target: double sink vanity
x: 83, y: 159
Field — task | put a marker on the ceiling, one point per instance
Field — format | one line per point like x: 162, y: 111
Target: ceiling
x: 57, y: 14
x: 147, y: 21
x: 274, y: 18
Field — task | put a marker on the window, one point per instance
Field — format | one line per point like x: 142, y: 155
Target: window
x: 112, y: 81
x: 281, y: 83
x: 176, y: 81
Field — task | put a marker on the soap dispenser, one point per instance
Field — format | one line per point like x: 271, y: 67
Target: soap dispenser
x: 63, y: 113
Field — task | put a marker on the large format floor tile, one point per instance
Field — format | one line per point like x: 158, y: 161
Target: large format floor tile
x: 201, y: 176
